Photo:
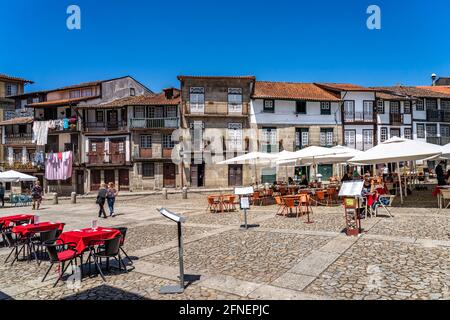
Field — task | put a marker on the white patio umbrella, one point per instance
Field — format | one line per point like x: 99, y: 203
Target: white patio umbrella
x: 446, y: 151
x: 396, y: 150
x: 309, y: 155
x: 14, y: 176
x: 254, y: 158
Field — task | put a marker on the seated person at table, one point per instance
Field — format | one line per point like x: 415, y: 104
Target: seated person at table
x: 290, y: 181
x: 366, y: 187
x: 304, y: 182
x: 346, y: 177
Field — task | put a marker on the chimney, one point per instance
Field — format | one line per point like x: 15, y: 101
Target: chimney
x: 433, y: 79
x: 168, y: 93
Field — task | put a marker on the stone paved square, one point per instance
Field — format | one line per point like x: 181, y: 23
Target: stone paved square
x: 404, y: 257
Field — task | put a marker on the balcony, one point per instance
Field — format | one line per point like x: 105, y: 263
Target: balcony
x: 103, y: 127
x: 442, y: 141
x: 396, y: 119
x: 102, y: 158
x: 438, y: 115
x: 18, y: 113
x: 21, y: 166
x: 212, y: 109
x: 154, y: 123
x: 351, y: 117
x: 147, y: 153
x: 19, y: 138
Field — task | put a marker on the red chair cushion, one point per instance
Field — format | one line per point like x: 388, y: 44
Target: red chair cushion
x: 66, y: 255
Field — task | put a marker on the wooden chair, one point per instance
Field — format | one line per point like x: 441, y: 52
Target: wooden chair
x: 304, y: 204
x: 289, y: 204
x: 229, y: 202
x: 331, y: 192
x: 281, y: 207
x: 213, y: 204
x: 256, y: 198
x: 320, y: 197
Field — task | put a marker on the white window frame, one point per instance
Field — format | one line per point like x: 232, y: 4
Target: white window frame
x: 197, y: 100
x: 146, y: 141
x: 384, y: 134
x: 349, y: 136
x: 235, y: 100
x: 235, y: 136
x: 407, y: 136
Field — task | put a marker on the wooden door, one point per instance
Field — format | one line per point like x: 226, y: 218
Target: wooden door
x: 96, y: 153
x: 124, y: 179
x: 112, y: 120
x: 117, y: 151
x: 194, y: 175
x: 110, y: 176
x: 95, y: 180
x: 235, y: 175
x: 80, y: 182
x: 169, y: 175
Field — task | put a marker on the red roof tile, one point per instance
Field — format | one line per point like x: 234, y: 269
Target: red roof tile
x: 343, y: 87
x: 60, y: 102
x: 22, y: 120
x: 217, y: 77
x: 6, y: 77
x: 291, y: 90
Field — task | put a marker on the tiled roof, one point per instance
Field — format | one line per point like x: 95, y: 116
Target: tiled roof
x: 60, y: 102
x: 414, y: 92
x: 390, y: 96
x: 159, y: 99
x: 6, y: 77
x: 291, y: 90
x: 343, y: 87
x: 439, y: 89
x: 217, y: 77
x: 23, y: 120
x: 90, y: 84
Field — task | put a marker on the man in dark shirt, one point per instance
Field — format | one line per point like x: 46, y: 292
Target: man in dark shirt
x: 440, y: 174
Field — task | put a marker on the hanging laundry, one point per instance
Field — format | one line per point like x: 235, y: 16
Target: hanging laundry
x: 10, y: 156
x: 58, y: 166
x: 40, y: 132
x: 65, y: 123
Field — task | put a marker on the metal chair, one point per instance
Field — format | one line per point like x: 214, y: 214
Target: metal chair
x: 44, y: 237
x: 62, y: 254
x: 111, y: 249
x: 123, y: 231
x: 14, y: 243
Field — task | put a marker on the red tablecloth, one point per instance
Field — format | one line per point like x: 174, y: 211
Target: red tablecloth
x: 20, y: 217
x: 26, y: 230
x: 85, y: 236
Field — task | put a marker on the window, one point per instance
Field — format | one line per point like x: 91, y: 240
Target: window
x: 300, y: 107
x: 407, y: 133
x: 445, y: 130
x: 235, y: 100
x: 407, y: 107
x: 383, y: 134
x: 146, y: 141
x: 121, y: 147
x: 380, y: 106
x: 74, y: 94
x: 395, y: 132
x: 87, y: 92
x: 35, y: 100
x: 197, y: 135
x: 301, y: 138
x: 132, y: 92
x: 168, y: 143
x: 269, y: 106
x: 349, y: 110
x: 197, y: 99
x: 368, y: 109
x: 445, y: 105
x: 171, y: 112
x: 235, y: 136
x: 431, y: 104
x: 148, y: 169
x: 419, y: 105
x: 367, y: 139
x: 420, y: 131
x: 325, y: 108
x: 350, y: 138
x: 269, y: 140
x: 99, y: 116
x: 326, y: 137
x: 94, y: 146
x: 139, y: 112
x: 394, y: 107
x: 11, y: 89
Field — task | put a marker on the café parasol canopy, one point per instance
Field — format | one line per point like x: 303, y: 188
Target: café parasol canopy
x: 396, y: 150
x: 14, y: 176
x: 446, y: 151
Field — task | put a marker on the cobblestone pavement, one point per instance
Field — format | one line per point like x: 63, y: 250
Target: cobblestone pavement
x: 405, y: 257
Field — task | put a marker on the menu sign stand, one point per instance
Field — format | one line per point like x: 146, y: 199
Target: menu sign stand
x: 244, y: 203
x: 351, y: 191
x: 183, y: 278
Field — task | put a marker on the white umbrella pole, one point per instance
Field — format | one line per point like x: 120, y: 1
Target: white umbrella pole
x: 400, y: 182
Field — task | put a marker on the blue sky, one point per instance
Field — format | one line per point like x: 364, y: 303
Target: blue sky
x: 283, y: 40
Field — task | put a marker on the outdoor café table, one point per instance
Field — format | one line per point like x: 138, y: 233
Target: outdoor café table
x: 17, y: 218
x: 85, y: 237
x: 27, y: 230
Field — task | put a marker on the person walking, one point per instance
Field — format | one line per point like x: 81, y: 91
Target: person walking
x: 101, y: 197
x: 2, y: 194
x: 440, y: 174
x: 111, y: 197
x: 36, y: 194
